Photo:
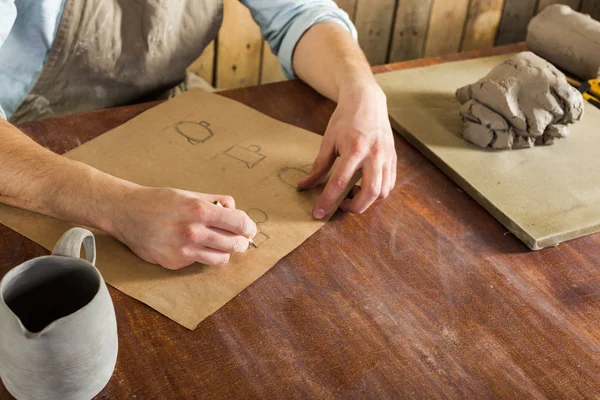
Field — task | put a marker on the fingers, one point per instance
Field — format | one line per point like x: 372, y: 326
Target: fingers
x: 207, y: 246
x: 226, y: 201
x: 211, y: 257
x: 233, y: 221
x: 321, y: 166
x: 389, y: 175
x: 390, y: 171
x: 386, y: 182
x: 186, y: 256
x: 371, y: 188
x: 337, y: 185
x: 221, y: 240
x: 395, y: 169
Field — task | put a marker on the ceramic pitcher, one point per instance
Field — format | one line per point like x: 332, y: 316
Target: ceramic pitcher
x: 58, y: 332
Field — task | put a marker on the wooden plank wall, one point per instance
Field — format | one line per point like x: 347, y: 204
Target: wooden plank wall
x: 388, y: 31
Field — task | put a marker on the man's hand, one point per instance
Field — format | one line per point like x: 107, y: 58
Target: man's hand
x: 176, y: 228
x: 359, y: 133
x: 170, y: 227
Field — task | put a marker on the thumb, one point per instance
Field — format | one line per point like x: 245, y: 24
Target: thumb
x: 321, y: 166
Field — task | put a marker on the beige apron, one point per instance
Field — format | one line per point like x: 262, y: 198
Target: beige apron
x: 108, y: 53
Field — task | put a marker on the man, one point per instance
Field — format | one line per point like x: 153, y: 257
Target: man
x: 65, y: 56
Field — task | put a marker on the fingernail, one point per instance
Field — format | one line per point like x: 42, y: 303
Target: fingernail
x: 319, y: 213
x: 252, y: 234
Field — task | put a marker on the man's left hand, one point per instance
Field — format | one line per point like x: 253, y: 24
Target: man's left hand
x: 359, y: 132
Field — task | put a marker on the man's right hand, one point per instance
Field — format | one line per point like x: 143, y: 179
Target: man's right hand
x: 170, y: 227
x: 176, y: 228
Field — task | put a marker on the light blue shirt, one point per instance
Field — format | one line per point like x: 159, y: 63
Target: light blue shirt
x: 28, y: 29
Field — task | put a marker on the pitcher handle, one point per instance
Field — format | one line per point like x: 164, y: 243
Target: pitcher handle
x: 70, y: 242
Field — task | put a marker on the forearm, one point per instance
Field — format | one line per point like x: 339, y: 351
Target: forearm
x: 35, y: 179
x: 328, y: 58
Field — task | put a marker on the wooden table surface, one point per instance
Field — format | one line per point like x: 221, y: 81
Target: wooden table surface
x: 426, y: 295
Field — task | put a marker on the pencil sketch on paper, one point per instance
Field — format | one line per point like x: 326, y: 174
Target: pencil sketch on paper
x: 194, y: 132
x: 260, y: 218
x: 250, y: 155
x: 291, y: 175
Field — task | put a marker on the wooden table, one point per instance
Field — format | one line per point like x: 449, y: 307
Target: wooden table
x: 424, y: 296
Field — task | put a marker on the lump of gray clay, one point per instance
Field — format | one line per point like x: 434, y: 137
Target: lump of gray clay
x: 523, y: 102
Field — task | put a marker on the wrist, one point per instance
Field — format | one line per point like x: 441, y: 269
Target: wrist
x: 89, y: 197
x: 358, y: 90
x: 355, y: 75
x: 113, y: 199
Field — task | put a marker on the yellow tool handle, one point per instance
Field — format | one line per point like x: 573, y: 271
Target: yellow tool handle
x: 594, y: 87
x: 591, y: 99
x: 589, y: 89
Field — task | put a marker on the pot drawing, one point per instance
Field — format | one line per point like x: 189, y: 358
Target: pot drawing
x: 194, y: 132
x: 250, y: 155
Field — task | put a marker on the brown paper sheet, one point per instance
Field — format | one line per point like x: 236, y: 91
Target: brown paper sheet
x: 544, y: 196
x: 205, y: 143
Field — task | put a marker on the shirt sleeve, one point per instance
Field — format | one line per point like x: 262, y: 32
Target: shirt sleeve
x: 8, y: 14
x: 283, y: 22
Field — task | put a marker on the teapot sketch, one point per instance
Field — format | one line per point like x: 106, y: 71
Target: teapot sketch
x: 194, y: 132
x: 259, y: 217
x: 291, y: 175
x: 248, y: 155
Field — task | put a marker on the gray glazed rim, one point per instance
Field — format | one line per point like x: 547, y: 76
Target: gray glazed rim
x: 27, y: 265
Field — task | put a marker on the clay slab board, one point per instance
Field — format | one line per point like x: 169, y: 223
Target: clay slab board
x: 544, y: 196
